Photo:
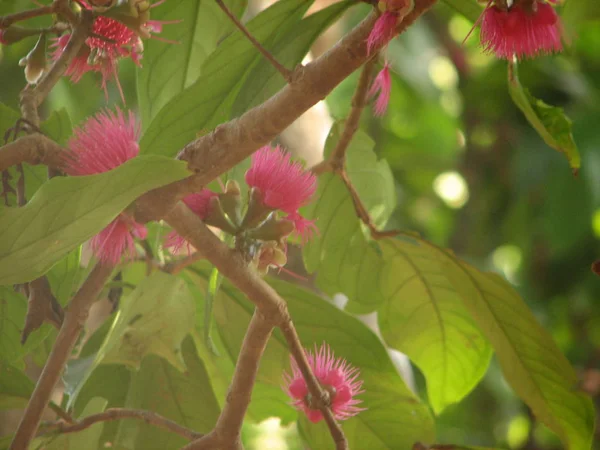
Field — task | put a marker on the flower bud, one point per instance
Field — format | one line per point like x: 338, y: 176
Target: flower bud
x: 269, y: 255
x: 257, y: 209
x: 231, y: 201
x: 216, y: 216
x: 35, y: 61
x: 272, y: 229
x: 135, y: 14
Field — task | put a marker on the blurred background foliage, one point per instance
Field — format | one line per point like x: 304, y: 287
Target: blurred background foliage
x: 471, y: 175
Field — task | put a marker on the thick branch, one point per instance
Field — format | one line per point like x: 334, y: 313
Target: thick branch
x: 9, y: 19
x: 122, y: 413
x: 31, y: 149
x: 69, y: 332
x: 230, y: 143
x: 227, y: 431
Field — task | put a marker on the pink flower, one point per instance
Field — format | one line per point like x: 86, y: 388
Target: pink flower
x: 336, y: 376
x: 383, y: 31
x: 521, y: 31
x: 103, y: 143
x: 383, y: 85
x: 199, y: 203
x: 102, y: 55
x: 284, y: 184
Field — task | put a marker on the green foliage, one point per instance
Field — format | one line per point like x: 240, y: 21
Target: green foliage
x: 553, y: 126
x: 532, y: 364
x: 15, y: 387
x: 467, y: 8
x: 169, y: 68
x: 67, y: 211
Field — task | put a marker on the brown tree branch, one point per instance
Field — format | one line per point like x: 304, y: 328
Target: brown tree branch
x: 32, y: 149
x: 227, y: 432
x: 284, y: 71
x: 71, y: 328
x: 121, y: 413
x: 9, y: 19
x: 230, y: 143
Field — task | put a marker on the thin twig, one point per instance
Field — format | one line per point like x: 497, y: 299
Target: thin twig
x: 9, y: 19
x: 336, y: 160
x: 149, y: 417
x: 174, y: 267
x: 72, y: 325
x: 65, y: 416
x: 285, y: 72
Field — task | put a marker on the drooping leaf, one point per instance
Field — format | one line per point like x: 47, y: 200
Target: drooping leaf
x: 531, y: 362
x: 551, y: 122
x: 186, y: 398
x: 15, y: 387
x: 207, y: 102
x: 168, y: 68
x: 424, y: 317
x: 66, y: 211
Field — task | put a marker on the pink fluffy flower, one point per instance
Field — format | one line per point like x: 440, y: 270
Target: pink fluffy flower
x: 102, y: 55
x: 521, y: 31
x: 383, y: 30
x: 284, y: 184
x: 103, y: 143
x: 336, y: 376
x: 199, y: 203
x: 383, y: 85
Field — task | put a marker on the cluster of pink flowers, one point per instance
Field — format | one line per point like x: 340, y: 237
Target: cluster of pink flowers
x: 525, y: 30
x: 103, y: 143
x: 335, y: 375
x: 111, y: 41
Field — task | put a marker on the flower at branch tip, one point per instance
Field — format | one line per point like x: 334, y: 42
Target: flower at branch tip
x: 199, y: 203
x: 283, y: 184
x: 111, y: 41
x: 524, y: 30
x: 102, y: 143
x: 383, y: 85
x: 335, y: 375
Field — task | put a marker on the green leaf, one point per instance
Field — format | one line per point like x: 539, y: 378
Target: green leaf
x: 8, y: 118
x: 153, y: 319
x: 15, y: 387
x: 66, y: 276
x: 67, y: 211
x: 58, y: 126
x: 186, y: 398
x: 343, y: 258
x: 424, y: 317
x: 574, y: 14
x: 288, y: 47
x: 395, y: 418
x: 551, y: 123
x: 169, y: 68
x: 207, y: 102
x: 468, y: 8
x: 531, y: 362
x: 13, y: 309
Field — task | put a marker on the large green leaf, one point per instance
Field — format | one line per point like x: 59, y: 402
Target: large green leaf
x: 551, y: 122
x: 424, y: 317
x: 530, y: 360
x: 288, y: 47
x: 186, y: 398
x: 394, y: 418
x: 15, y: 387
x: 468, y: 8
x: 207, y: 102
x: 13, y: 309
x: 65, y: 212
x: 58, y: 126
x: 169, y: 68
x: 340, y: 253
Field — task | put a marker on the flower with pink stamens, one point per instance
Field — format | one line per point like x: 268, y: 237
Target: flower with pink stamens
x: 523, y: 31
x: 335, y: 375
x: 199, y: 203
x: 383, y: 85
x: 111, y: 41
x: 383, y: 31
x: 103, y: 143
x: 283, y: 184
